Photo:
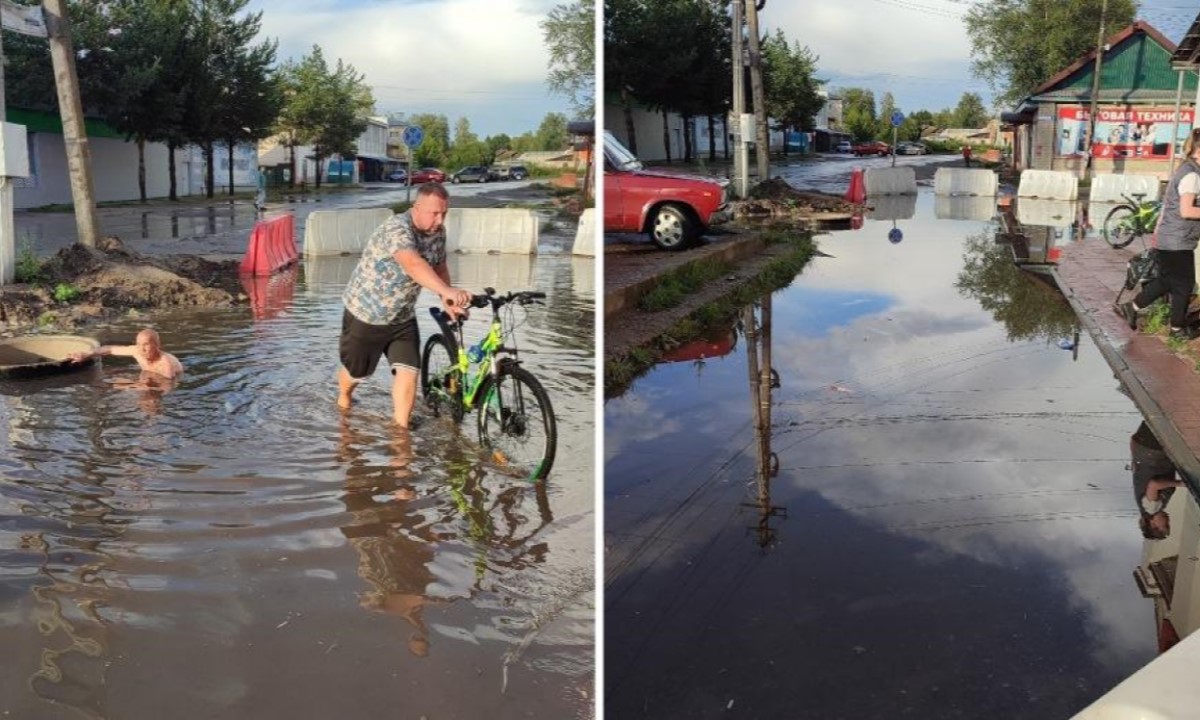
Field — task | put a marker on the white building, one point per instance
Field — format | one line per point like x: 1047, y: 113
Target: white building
x: 370, y: 164
x: 648, y: 127
x: 114, y: 165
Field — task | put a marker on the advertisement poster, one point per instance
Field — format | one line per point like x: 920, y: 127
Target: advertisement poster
x: 1139, y: 133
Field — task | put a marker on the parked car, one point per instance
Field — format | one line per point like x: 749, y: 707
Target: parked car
x: 425, y: 175
x: 472, y: 173
x: 509, y: 172
x: 911, y: 148
x: 396, y: 176
x: 672, y: 208
x: 872, y: 147
x: 843, y: 147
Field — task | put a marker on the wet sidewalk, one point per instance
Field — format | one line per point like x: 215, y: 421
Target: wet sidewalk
x: 1164, y: 385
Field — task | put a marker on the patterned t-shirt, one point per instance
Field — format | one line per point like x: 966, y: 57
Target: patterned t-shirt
x: 379, y: 291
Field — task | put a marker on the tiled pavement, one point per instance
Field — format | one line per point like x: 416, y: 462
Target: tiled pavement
x: 1164, y: 385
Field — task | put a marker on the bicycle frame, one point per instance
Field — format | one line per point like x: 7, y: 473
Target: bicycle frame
x: 1145, y: 217
x: 491, y: 345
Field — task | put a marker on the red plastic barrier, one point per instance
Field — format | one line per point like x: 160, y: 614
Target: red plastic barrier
x: 272, y: 246
x: 857, y: 193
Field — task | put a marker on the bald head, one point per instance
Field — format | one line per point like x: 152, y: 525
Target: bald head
x: 148, y: 344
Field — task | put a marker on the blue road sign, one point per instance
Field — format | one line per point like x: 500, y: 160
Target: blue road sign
x: 895, y: 235
x: 413, y: 136
x: 897, y: 118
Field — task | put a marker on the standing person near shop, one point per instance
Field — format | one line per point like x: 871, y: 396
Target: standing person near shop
x: 403, y: 255
x: 1178, y: 232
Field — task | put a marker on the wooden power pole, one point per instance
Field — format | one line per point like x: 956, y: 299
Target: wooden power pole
x: 1091, y: 137
x: 79, y: 160
x: 758, y: 95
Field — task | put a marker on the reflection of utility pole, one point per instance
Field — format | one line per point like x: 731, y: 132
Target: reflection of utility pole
x: 71, y: 108
x: 740, y: 169
x: 761, y: 138
x: 1087, y: 167
x: 761, y: 384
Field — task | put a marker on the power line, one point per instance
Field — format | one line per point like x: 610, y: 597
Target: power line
x: 940, y: 12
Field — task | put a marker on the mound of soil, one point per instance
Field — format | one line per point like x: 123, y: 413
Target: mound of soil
x: 775, y: 198
x: 111, y: 280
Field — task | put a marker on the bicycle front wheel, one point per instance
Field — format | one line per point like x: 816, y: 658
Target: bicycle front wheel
x: 441, y: 381
x: 1119, y: 224
x: 516, y: 422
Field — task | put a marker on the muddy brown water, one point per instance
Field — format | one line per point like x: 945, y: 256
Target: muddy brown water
x: 235, y: 547
x: 945, y: 526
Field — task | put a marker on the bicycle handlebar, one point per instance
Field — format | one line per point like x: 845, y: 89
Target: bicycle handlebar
x: 489, y: 297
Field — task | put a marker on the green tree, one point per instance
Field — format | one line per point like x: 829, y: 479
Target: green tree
x: 468, y: 149
x: 887, y: 106
x: 498, y: 144
x: 569, y: 32
x: 434, y: 150
x: 914, y: 124
x: 1017, y: 45
x: 791, y: 88
x: 970, y: 112
x: 858, y: 113
x: 324, y: 107
x: 552, y: 133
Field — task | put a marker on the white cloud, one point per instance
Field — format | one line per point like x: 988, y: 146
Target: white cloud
x: 480, y: 59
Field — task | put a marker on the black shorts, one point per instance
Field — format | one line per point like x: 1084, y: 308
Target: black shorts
x: 362, y: 344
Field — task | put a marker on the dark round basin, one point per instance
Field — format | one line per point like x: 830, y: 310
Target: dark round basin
x: 35, y: 356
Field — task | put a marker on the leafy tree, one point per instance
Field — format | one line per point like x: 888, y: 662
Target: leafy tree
x: 434, y: 150
x: 887, y: 106
x: 1017, y: 45
x: 498, y: 144
x: 914, y: 124
x: 324, y: 107
x: 858, y: 113
x: 970, y: 112
x: 792, y: 97
x: 569, y: 32
x: 468, y: 149
x: 552, y: 133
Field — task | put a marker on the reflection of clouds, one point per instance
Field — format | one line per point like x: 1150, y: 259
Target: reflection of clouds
x: 638, y: 418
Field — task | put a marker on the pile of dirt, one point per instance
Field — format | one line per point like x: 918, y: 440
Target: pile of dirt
x: 79, y: 285
x: 776, y: 198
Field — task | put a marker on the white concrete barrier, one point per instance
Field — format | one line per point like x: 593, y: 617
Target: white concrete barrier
x: 341, y: 232
x: 1166, y: 689
x: 475, y: 271
x: 583, y: 276
x: 965, y: 181
x: 963, y: 207
x: 1110, y: 188
x: 892, y: 207
x: 890, y: 181
x: 585, y: 234
x: 491, y: 230
x: 1051, y: 213
x: 1050, y: 184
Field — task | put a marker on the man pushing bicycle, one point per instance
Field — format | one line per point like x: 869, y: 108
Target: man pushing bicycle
x: 403, y: 255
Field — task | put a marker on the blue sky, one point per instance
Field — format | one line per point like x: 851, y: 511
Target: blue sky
x: 479, y: 59
x: 917, y: 49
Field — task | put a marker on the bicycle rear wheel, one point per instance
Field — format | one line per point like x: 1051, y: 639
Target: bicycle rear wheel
x: 516, y: 422
x: 1119, y: 224
x: 441, y: 381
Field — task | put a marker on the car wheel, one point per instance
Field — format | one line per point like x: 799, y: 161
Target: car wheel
x: 672, y: 228
x: 455, y: 180
x: 483, y: 179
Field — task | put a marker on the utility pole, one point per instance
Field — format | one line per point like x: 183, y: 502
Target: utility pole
x: 761, y: 139
x: 8, y: 253
x: 1087, y: 167
x: 62, y: 55
x: 740, y: 162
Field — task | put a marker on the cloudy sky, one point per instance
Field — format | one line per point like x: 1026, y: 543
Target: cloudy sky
x: 917, y: 49
x: 479, y: 59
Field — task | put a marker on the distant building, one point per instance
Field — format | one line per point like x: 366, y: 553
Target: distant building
x: 114, y: 164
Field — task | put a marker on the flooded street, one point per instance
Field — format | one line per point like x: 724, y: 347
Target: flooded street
x: 924, y: 511
x: 237, y: 548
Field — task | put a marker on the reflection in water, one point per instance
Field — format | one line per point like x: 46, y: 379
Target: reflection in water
x: 1026, y: 303
x: 1169, y: 519
x: 763, y: 379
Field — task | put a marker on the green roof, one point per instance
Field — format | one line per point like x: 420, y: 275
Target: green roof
x: 47, y: 122
x: 1136, y: 68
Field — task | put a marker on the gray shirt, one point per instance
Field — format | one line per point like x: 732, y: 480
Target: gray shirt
x: 379, y: 291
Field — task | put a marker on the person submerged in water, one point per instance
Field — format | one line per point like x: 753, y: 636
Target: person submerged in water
x: 147, y: 352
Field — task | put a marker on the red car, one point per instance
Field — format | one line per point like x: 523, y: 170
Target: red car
x: 873, y: 147
x: 672, y: 208
x: 425, y: 175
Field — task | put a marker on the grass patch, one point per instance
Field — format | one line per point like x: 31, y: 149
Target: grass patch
x: 621, y: 371
x: 676, y: 285
x: 28, y: 268
x: 65, y: 292
x: 1158, y: 319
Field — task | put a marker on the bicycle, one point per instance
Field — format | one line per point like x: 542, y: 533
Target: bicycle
x: 515, y: 419
x: 1131, y: 220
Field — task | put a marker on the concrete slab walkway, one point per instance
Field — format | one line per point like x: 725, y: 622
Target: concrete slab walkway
x: 1164, y: 385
